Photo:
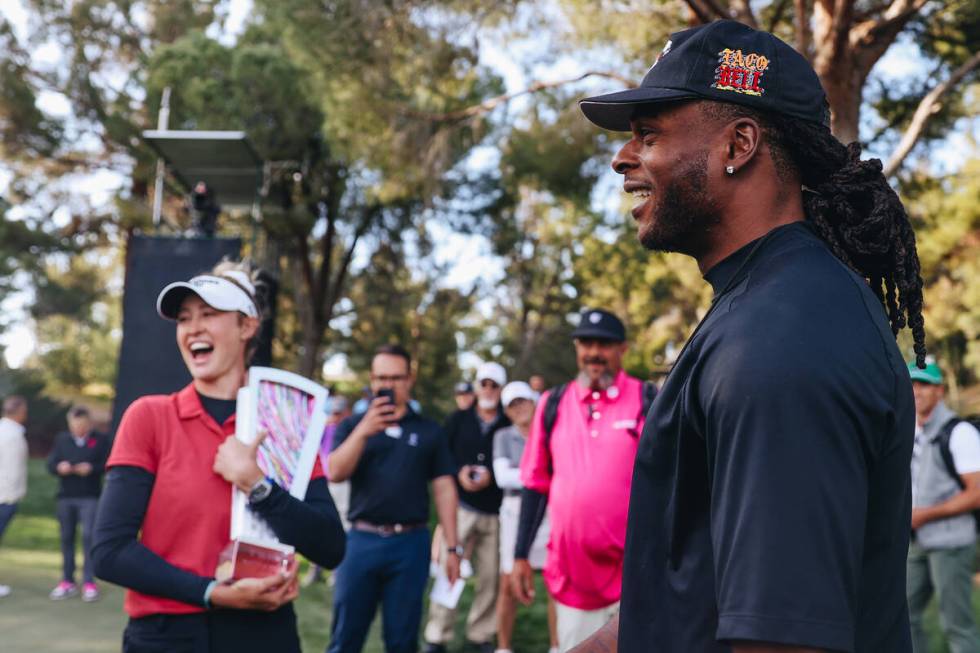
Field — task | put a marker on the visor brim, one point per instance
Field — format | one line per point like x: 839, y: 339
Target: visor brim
x: 613, y: 111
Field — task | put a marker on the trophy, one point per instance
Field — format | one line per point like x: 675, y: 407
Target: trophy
x: 290, y: 409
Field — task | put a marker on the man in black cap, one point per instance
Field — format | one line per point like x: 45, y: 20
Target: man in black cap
x: 578, y: 461
x: 770, y: 500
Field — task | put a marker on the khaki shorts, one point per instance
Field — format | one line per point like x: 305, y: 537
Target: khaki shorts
x: 510, y: 513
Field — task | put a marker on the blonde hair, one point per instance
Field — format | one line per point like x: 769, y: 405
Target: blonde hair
x: 238, y: 272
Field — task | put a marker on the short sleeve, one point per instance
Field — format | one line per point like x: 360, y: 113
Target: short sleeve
x: 136, y: 444
x: 964, y: 444
x: 442, y: 460
x: 788, y: 492
x: 536, y: 461
x: 343, y: 430
x: 501, y: 441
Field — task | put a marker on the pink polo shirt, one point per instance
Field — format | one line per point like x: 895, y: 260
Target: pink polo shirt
x: 592, y: 454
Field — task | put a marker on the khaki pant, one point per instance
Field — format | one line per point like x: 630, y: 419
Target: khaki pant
x: 479, y: 534
x: 575, y: 626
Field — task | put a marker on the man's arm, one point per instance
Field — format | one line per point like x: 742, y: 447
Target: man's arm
x: 444, y: 494
x: 965, y: 501
x: 343, y: 460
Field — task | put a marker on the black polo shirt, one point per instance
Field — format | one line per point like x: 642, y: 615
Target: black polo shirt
x: 391, y: 482
x: 770, y: 496
x: 471, y: 443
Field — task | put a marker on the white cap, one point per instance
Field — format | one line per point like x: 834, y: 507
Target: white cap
x: 517, y: 390
x: 232, y: 291
x: 492, y: 371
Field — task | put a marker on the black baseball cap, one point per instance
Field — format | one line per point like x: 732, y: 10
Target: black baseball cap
x: 463, y: 388
x: 597, y: 323
x: 724, y: 61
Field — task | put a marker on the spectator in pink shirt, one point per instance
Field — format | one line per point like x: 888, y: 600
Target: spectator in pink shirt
x: 579, y: 463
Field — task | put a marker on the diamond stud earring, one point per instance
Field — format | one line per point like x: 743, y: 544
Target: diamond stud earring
x: 730, y: 170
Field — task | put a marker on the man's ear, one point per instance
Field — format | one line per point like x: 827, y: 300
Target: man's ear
x: 743, y: 137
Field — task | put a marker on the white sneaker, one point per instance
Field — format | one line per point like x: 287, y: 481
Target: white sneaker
x: 4, y: 590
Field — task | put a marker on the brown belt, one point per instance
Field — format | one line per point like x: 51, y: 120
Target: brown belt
x: 386, y: 530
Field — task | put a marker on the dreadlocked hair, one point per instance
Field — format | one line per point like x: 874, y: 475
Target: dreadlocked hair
x: 853, y: 209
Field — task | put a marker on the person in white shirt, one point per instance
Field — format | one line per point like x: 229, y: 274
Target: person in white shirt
x: 519, y: 402
x: 13, y: 462
x: 945, y: 492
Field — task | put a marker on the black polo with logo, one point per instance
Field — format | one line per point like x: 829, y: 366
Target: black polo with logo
x: 390, y: 484
x: 770, y: 498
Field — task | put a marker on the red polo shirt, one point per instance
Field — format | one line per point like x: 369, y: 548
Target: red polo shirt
x: 188, y: 517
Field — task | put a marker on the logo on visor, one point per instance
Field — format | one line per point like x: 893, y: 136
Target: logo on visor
x: 740, y: 73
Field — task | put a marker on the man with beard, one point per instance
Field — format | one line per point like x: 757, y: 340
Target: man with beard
x: 578, y: 462
x: 470, y: 433
x: 770, y: 501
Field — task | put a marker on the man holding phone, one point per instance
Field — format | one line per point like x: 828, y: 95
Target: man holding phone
x: 390, y: 453
x: 470, y: 433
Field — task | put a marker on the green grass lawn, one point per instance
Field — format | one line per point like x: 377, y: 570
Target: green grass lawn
x: 30, y: 563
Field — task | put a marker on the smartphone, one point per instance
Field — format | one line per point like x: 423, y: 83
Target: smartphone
x: 386, y: 392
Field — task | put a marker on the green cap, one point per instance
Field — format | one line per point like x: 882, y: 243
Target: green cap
x: 932, y: 374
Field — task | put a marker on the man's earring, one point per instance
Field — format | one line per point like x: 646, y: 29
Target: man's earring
x: 730, y: 170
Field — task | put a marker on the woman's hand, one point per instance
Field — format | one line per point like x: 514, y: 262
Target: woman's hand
x: 267, y: 594
x: 236, y: 461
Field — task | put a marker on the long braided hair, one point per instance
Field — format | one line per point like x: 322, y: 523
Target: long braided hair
x: 853, y: 209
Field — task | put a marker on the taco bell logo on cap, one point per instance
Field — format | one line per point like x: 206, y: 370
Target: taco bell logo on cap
x: 740, y: 73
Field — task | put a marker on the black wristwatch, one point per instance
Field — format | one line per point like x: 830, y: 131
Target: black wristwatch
x: 458, y: 550
x: 260, y: 491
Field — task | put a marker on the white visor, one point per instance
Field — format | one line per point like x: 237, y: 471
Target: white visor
x: 517, y: 390
x: 217, y: 292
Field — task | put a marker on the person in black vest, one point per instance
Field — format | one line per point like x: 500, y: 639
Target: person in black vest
x: 78, y: 460
x: 471, y: 435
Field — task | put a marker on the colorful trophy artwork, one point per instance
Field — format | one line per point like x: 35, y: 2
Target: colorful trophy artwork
x: 290, y: 409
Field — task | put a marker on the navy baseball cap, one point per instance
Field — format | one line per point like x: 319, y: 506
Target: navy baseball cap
x: 597, y: 323
x: 724, y: 61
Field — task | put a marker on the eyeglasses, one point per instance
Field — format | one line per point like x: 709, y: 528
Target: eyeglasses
x: 487, y: 383
x: 394, y: 378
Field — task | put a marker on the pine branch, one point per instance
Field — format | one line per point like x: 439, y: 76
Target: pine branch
x: 488, y: 105
x: 928, y: 107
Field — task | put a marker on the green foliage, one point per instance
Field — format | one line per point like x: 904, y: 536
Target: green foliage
x: 947, y: 223
x: 391, y: 305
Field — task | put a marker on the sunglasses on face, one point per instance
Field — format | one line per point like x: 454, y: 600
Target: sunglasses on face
x: 487, y: 383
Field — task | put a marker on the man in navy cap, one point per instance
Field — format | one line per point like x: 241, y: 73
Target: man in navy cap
x: 578, y: 461
x: 770, y: 500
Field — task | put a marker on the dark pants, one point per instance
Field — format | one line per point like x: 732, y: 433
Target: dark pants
x: 7, y: 511
x: 218, y: 631
x: 393, y: 570
x: 71, y: 513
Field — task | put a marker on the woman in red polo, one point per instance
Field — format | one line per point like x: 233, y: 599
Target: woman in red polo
x: 166, y: 508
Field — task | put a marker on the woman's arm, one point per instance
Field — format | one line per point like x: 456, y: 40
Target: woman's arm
x: 312, y: 526
x: 117, y: 555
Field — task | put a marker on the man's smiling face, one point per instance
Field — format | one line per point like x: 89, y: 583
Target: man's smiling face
x: 665, y: 168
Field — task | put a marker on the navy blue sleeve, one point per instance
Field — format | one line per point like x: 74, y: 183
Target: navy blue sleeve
x: 533, y: 507
x: 312, y: 526
x: 442, y: 459
x: 55, y: 456
x: 102, y: 455
x: 344, y: 429
x: 117, y: 555
x: 789, y: 492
